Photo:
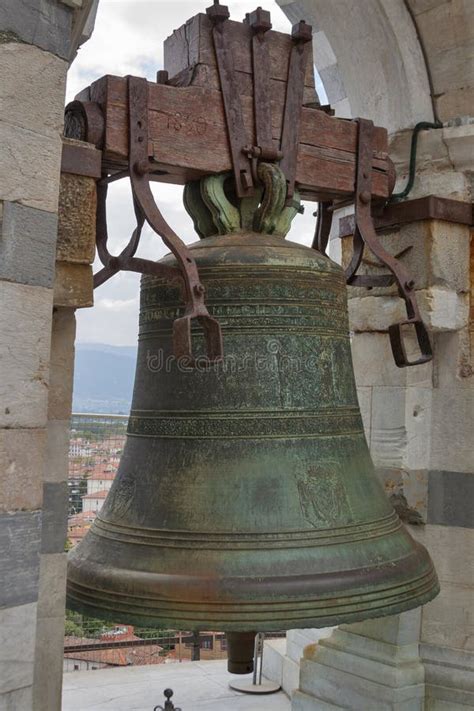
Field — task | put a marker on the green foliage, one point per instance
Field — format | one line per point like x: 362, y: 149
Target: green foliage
x: 78, y: 625
x: 71, y: 629
x: 147, y: 632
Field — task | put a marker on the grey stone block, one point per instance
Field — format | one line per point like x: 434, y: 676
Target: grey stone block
x: 54, y: 523
x: 450, y: 499
x: 52, y: 586
x: 20, y: 536
x: 17, y: 648
x: 333, y: 83
x: 25, y: 340
x: 449, y: 677
x: 44, y: 23
x: 48, y: 673
x: 57, y: 450
x: 18, y: 699
x: 21, y: 468
x: 294, y: 11
x: 30, y: 168
x: 27, y: 245
x: 32, y: 88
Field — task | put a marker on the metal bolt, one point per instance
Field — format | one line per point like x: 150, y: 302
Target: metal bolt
x: 217, y: 12
x: 162, y: 76
x: 301, y: 32
x: 199, y: 289
x: 364, y: 197
x: 409, y: 284
x: 259, y: 20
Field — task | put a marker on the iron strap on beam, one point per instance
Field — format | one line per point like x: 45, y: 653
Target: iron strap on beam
x: 365, y: 235
x: 219, y: 14
x: 301, y: 35
x: 244, y: 155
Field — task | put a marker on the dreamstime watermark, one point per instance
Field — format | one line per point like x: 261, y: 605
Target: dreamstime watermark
x: 275, y: 359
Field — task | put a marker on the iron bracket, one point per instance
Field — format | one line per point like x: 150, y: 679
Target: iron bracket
x: 245, y: 157
x: 364, y: 234
x: 324, y: 217
x: 301, y: 34
x: 242, y: 166
x: 147, y: 210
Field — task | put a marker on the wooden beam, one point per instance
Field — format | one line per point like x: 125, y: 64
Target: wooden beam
x: 192, y: 44
x: 188, y: 138
x: 429, y: 207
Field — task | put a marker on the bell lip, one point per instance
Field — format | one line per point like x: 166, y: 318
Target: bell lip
x: 244, y: 625
x: 402, y: 585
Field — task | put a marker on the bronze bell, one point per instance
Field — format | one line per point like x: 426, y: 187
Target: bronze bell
x: 246, y: 498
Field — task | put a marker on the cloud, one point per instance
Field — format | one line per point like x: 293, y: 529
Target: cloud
x: 117, y: 304
x: 128, y: 39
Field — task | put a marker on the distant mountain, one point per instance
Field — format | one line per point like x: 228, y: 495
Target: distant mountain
x: 103, y: 378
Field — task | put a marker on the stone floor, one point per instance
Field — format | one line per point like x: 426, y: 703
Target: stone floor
x: 197, y: 686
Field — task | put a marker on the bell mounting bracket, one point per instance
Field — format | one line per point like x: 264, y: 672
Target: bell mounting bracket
x: 139, y: 170
x: 365, y: 234
x: 245, y: 157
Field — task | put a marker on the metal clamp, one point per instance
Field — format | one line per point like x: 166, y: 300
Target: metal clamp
x: 301, y: 34
x: 364, y: 234
x: 324, y: 217
x: 245, y: 157
x: 244, y: 186
x: 146, y: 209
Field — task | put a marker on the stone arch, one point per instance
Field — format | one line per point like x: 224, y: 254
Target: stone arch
x: 397, y: 61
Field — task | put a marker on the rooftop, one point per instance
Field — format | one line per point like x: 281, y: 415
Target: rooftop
x: 102, y: 494
x: 197, y: 686
x: 103, y: 474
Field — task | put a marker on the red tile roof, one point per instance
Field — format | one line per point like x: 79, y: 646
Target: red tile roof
x: 104, y: 475
x: 81, y: 518
x: 97, y: 495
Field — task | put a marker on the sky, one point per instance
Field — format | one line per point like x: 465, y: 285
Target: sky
x: 128, y: 39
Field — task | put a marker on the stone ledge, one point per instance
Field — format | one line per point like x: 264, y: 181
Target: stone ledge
x: 442, y: 310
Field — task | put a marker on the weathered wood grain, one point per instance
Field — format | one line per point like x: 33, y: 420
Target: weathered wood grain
x: 207, y: 76
x: 192, y: 44
x: 188, y: 138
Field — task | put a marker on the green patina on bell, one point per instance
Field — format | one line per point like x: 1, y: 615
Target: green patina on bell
x: 246, y: 498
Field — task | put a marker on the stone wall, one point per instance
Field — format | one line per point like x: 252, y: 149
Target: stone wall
x: 35, y: 45
x: 75, y: 249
